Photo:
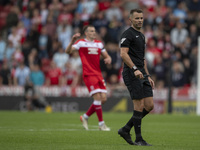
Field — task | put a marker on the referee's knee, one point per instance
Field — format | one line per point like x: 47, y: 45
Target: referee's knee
x: 150, y: 107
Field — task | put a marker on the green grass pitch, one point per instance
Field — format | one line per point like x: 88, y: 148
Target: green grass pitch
x: 63, y: 131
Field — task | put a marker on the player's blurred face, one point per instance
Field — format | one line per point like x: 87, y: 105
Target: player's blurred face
x: 137, y: 20
x: 90, y: 33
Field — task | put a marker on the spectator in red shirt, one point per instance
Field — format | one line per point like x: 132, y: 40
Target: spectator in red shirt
x: 53, y: 75
x: 70, y: 76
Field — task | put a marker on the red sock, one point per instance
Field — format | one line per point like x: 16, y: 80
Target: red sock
x: 99, y: 113
x: 91, y: 110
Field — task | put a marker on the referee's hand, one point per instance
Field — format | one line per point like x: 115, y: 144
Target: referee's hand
x: 139, y: 74
x: 151, y: 82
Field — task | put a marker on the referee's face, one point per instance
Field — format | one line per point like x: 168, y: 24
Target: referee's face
x: 90, y: 33
x: 137, y: 20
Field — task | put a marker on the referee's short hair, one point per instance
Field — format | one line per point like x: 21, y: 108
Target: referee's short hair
x: 136, y: 10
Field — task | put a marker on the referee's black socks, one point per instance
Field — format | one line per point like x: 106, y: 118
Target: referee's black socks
x: 144, y: 113
x: 135, y: 121
x: 129, y: 124
x: 137, y: 116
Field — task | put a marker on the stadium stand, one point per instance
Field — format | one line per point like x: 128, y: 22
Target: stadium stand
x: 171, y: 29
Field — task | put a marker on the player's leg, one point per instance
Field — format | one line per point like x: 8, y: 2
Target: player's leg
x: 98, y: 98
x: 148, y: 106
x: 89, y: 81
x: 84, y: 118
x: 97, y: 106
x: 103, y: 98
x: 102, y: 125
x: 98, y: 93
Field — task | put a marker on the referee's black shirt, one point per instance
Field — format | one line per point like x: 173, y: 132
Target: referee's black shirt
x: 135, y: 41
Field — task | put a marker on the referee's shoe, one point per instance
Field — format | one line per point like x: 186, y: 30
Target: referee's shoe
x: 142, y: 143
x: 126, y: 136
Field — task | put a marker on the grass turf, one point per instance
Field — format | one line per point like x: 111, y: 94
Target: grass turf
x: 63, y: 131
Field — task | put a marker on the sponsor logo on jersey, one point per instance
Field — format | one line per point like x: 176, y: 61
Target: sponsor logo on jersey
x: 92, y: 50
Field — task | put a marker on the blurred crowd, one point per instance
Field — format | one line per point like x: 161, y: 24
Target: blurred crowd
x: 35, y: 33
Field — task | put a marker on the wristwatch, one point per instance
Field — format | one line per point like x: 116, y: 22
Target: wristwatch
x: 134, y: 68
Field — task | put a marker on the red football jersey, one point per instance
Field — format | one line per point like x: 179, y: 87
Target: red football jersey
x: 90, y: 52
x: 54, y: 75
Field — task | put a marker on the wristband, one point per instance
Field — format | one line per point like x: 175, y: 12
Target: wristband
x: 148, y: 75
x: 134, y: 68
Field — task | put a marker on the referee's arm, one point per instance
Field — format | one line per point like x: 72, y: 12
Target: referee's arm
x: 127, y: 60
x: 125, y: 57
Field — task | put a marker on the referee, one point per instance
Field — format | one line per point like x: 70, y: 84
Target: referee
x: 136, y: 77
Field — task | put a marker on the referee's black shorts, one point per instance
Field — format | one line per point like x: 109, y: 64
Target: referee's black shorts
x: 138, y: 88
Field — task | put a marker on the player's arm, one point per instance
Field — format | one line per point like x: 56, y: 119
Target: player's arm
x: 127, y: 60
x: 107, y: 58
x: 69, y: 48
x: 149, y: 76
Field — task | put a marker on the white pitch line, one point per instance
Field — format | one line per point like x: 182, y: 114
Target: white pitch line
x: 92, y: 128
x: 47, y: 130
x: 78, y: 125
x: 66, y: 130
